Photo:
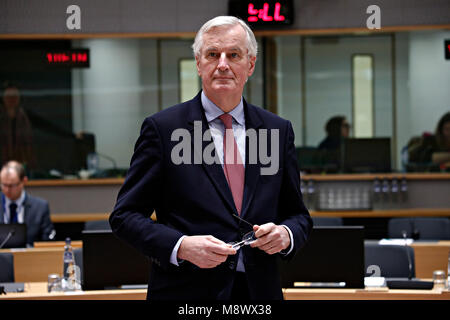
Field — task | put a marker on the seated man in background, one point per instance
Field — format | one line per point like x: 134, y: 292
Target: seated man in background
x: 20, y: 207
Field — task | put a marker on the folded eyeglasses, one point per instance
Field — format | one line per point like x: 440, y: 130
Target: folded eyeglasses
x: 247, y: 238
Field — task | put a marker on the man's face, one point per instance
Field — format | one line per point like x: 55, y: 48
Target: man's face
x: 223, y: 63
x: 11, y: 185
x: 345, y: 129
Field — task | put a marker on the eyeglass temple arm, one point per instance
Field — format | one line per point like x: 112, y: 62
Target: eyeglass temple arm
x: 243, y: 220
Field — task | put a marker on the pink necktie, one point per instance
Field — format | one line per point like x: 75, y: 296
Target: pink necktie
x: 233, y: 166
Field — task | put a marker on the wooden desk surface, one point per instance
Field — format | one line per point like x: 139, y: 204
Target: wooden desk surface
x: 364, y: 294
x: 430, y: 256
x: 35, y: 264
x: 317, y: 177
x: 388, y: 213
x: 38, y: 291
x: 417, y: 212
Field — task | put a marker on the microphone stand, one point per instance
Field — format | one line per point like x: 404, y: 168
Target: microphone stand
x: 408, y: 255
x: 10, y: 234
x: 410, y: 283
x: 108, y: 158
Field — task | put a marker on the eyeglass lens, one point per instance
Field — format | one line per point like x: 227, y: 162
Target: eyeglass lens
x: 247, y: 239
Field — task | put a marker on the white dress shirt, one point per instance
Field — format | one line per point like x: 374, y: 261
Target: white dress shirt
x: 20, y: 208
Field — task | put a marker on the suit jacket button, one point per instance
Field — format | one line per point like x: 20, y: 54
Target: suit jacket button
x: 231, y: 265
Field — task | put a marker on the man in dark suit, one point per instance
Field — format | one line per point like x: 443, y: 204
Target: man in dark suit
x: 20, y: 207
x: 203, y: 206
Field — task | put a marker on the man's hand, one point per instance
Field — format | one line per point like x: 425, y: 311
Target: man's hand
x: 204, y: 251
x: 271, y: 238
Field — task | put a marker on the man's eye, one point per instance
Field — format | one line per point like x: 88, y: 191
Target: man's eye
x: 212, y: 54
x: 234, y: 55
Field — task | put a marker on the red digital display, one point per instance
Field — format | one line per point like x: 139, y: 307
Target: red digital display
x: 69, y: 58
x: 263, y: 13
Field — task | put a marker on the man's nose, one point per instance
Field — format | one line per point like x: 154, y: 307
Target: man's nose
x: 223, y: 62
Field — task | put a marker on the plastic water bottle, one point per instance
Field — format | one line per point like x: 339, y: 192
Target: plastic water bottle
x: 448, y: 273
x: 92, y: 162
x: 405, y: 158
x: 71, y: 278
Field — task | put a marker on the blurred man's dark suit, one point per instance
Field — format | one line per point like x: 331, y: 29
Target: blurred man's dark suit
x: 37, y: 219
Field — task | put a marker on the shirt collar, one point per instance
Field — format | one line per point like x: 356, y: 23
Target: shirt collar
x: 19, y: 201
x: 212, y: 111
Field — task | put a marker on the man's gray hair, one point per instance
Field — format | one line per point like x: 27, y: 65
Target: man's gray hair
x: 252, y: 45
x: 15, y: 166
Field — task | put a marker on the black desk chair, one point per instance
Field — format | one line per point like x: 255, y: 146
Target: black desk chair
x: 6, y: 267
x: 422, y: 228
x: 392, y: 260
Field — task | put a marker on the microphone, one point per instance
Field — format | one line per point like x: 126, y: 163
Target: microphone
x: 10, y: 234
x: 410, y: 283
x: 408, y: 255
x: 108, y: 158
x: 416, y: 234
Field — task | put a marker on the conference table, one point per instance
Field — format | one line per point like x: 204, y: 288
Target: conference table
x: 38, y: 291
x: 35, y: 264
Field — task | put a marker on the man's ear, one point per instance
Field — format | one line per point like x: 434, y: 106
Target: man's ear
x: 252, y: 63
x: 25, y: 179
x: 197, y: 60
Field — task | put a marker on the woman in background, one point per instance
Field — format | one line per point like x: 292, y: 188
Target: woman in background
x: 337, y: 128
x: 432, y: 148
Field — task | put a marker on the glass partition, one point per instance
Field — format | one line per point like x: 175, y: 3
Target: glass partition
x: 82, y: 120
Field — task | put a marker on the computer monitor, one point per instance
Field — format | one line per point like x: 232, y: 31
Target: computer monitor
x: 17, y: 234
x: 332, y: 257
x: 109, y: 262
x: 366, y: 155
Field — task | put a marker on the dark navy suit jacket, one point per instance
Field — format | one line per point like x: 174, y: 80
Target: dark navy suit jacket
x: 194, y: 199
x: 36, y: 217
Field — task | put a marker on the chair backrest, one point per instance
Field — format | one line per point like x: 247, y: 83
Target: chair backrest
x: 433, y: 228
x: 97, y: 225
x: 327, y: 221
x: 390, y: 260
x: 6, y: 267
x: 422, y: 228
x: 397, y: 225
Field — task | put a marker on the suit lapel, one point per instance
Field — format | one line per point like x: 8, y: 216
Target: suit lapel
x: 26, y: 209
x: 214, y: 171
x: 252, y: 171
x: 2, y: 209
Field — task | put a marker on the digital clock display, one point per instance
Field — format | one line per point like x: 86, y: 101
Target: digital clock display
x: 447, y: 49
x: 259, y: 13
x: 74, y: 58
